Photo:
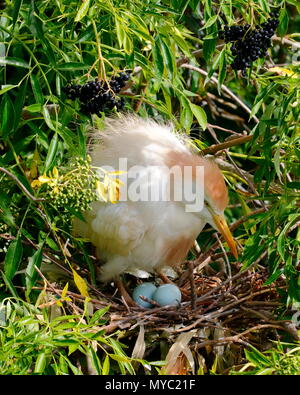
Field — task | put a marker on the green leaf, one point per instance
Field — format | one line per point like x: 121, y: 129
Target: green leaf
x: 13, y: 258
x: 47, y: 118
x: 209, y: 46
x: 6, y: 88
x: 256, y: 357
x: 31, y: 274
x: 16, y: 9
x: 51, y: 153
x: 10, y: 285
x: 7, y: 116
x: 222, y: 69
x: 95, y: 360
x: 119, y: 358
x: 186, y: 114
x: 40, y: 363
x: 34, y: 108
x: 83, y: 10
x: 19, y: 103
x: 106, y: 366
x: 36, y: 88
x: 158, y: 60
x: 13, y: 62
x: 210, y: 21
x: 200, y: 115
x: 169, y: 59
x: 98, y: 314
x: 283, y: 22
x: 5, y: 212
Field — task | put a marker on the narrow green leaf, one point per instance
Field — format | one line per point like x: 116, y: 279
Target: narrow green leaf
x: 158, y: 60
x: 95, y: 360
x: 47, y: 118
x: 5, y: 212
x: 169, y: 59
x: 36, y: 88
x: 34, y: 108
x: 31, y: 273
x: 210, y: 21
x: 106, y: 366
x: 256, y: 357
x: 19, y: 103
x: 7, y: 116
x: 13, y: 258
x: 51, y: 153
x: 283, y: 22
x: 14, y: 62
x: 40, y: 363
x: 16, y: 9
x: 6, y: 88
x: 98, y: 314
x: 200, y: 115
x: 83, y: 10
x: 186, y: 114
x: 119, y: 358
x: 10, y: 286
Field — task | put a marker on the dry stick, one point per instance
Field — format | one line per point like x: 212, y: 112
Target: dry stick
x: 192, y: 282
x: 218, y: 147
x: 223, y: 309
x: 224, y: 129
x: 223, y: 87
x: 236, y: 338
x: 286, y: 41
x: 18, y: 182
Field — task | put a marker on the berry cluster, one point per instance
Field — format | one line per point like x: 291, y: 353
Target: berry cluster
x: 249, y: 44
x: 97, y: 96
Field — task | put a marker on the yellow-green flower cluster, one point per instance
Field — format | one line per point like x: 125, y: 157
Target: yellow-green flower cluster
x: 78, y: 186
x: 75, y: 189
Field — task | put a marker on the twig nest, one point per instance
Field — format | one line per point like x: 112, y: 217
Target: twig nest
x: 167, y: 295
x: 147, y: 290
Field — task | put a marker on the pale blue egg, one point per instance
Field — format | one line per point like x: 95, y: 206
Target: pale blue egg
x: 147, y: 290
x: 167, y: 294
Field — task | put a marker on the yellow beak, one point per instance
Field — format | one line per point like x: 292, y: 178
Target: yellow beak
x: 222, y: 227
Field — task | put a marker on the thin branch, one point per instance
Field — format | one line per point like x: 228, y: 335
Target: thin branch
x: 24, y: 189
x: 231, y: 143
x: 286, y: 41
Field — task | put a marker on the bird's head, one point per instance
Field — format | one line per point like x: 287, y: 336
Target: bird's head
x: 214, y: 190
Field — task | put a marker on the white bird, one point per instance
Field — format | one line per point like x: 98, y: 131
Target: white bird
x: 150, y: 235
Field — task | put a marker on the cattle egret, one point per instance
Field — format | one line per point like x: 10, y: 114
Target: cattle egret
x: 141, y: 233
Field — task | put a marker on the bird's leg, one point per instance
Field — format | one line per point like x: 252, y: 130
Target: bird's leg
x: 123, y: 292
x: 166, y: 280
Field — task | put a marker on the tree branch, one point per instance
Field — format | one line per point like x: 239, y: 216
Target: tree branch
x: 18, y: 182
x: 218, y: 147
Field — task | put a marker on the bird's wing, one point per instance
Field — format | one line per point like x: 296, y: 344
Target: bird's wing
x: 115, y: 229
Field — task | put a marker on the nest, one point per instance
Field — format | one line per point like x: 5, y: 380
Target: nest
x: 217, y: 310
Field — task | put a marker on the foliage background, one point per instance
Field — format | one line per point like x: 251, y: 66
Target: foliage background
x: 181, y: 73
